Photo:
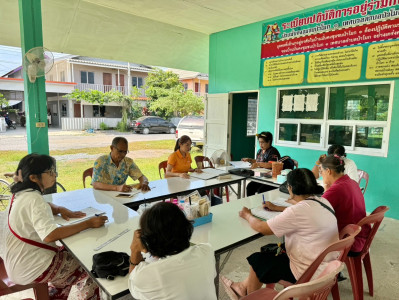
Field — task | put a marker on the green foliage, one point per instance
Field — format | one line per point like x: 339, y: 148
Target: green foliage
x: 168, y: 97
x: 121, y: 126
x: 103, y: 126
x: 3, y: 101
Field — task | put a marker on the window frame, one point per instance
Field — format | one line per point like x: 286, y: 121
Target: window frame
x: 326, y: 123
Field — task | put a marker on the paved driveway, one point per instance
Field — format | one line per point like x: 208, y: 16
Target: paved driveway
x: 63, y: 140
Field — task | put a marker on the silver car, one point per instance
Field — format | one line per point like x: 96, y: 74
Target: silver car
x: 193, y: 126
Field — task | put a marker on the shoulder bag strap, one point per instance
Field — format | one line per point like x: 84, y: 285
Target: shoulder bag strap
x: 322, y: 204
x: 28, y: 241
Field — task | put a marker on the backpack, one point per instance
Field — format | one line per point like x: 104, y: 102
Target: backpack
x: 288, y: 162
x: 110, y: 264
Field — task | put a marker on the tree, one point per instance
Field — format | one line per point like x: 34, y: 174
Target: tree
x: 100, y: 98
x: 3, y: 101
x: 168, y: 97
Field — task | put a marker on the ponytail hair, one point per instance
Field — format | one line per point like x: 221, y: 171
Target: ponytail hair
x: 333, y: 162
x: 303, y: 182
x: 182, y: 140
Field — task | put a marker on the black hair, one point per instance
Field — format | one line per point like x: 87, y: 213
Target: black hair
x: 119, y: 139
x: 303, y: 182
x: 333, y: 162
x: 182, y: 140
x: 336, y: 149
x: 32, y: 164
x: 266, y: 136
x: 165, y: 229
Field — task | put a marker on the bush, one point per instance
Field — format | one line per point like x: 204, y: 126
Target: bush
x: 121, y: 126
x: 103, y: 126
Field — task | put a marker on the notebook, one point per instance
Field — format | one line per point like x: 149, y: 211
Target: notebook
x: 89, y: 211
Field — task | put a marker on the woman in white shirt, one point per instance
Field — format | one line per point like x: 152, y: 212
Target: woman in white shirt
x: 163, y: 265
x: 350, y: 166
x: 309, y: 227
x: 31, y: 254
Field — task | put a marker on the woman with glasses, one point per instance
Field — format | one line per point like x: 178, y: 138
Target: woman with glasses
x: 308, y: 227
x: 265, y: 154
x: 179, y: 162
x: 345, y: 196
x: 31, y: 254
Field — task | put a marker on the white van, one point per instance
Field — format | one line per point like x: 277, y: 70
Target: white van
x: 193, y: 126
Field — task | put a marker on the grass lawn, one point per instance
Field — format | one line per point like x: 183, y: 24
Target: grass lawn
x: 146, y: 154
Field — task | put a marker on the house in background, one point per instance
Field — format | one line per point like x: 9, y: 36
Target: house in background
x: 195, y: 81
x: 83, y: 73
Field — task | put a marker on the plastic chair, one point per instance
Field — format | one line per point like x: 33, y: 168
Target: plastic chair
x: 317, y: 289
x: 354, y: 264
x: 87, y: 173
x: 363, y: 175
x: 162, y: 166
x: 7, y: 287
x: 347, y: 238
x: 206, y: 163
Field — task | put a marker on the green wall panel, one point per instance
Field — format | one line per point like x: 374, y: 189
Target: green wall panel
x: 235, y: 66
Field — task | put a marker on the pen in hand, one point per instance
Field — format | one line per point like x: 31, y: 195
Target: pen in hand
x: 264, y: 202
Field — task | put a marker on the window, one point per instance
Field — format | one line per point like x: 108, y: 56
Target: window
x: 98, y: 111
x: 206, y: 88
x: 87, y: 77
x: 185, y: 85
x: 137, y: 81
x: 355, y: 116
x: 63, y: 110
x: 252, y: 116
x: 196, y: 87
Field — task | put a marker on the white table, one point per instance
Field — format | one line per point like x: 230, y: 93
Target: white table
x: 174, y: 186
x: 228, y: 230
x: 82, y: 245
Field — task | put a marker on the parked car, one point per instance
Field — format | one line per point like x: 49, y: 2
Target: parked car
x: 193, y: 126
x: 150, y: 124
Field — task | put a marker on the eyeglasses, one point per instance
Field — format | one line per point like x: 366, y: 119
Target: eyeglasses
x: 52, y: 172
x: 122, y: 151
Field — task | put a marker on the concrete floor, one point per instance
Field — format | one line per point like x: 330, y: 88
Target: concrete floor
x: 384, y: 260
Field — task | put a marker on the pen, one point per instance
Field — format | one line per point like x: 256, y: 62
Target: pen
x: 98, y: 215
x: 263, y: 197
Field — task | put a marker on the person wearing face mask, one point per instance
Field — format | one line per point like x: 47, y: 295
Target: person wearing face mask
x: 31, y: 254
x: 265, y: 154
x: 111, y: 171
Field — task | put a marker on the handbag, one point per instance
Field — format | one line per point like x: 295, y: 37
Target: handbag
x: 273, y: 248
x: 242, y: 172
x: 110, y: 264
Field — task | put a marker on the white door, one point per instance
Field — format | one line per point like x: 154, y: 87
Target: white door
x: 217, y: 125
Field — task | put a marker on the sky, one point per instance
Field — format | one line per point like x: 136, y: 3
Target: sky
x: 11, y: 58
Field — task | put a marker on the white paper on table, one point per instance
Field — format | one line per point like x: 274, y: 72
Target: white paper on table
x: 299, y: 102
x: 89, y: 211
x: 241, y: 164
x: 208, y: 173
x: 312, y: 102
x: 287, y: 103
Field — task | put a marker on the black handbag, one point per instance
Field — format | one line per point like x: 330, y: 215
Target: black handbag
x: 110, y: 264
x: 273, y: 248
x: 242, y: 172
x: 284, y: 187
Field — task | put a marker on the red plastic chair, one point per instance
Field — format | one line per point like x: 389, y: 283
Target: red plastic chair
x: 347, y: 238
x: 205, y: 162
x: 87, y: 173
x: 354, y: 264
x: 8, y: 287
x: 162, y: 166
x: 363, y: 175
x: 317, y: 289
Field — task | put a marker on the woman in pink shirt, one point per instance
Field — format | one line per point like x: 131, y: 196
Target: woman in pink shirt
x: 346, y: 198
x: 308, y: 227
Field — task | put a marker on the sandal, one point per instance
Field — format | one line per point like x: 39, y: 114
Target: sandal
x: 229, y: 290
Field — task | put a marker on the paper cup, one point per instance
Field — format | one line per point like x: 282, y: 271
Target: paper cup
x: 277, y: 167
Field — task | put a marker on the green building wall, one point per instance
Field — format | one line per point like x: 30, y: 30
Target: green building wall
x: 234, y: 65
